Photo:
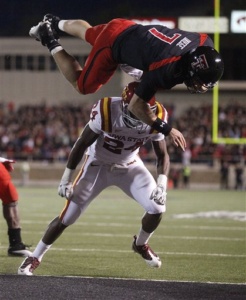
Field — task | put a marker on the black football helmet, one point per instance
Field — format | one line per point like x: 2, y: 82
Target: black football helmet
x: 203, y: 67
x: 129, y: 119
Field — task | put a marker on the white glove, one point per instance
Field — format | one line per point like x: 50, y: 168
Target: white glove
x: 7, y: 163
x: 65, y: 188
x: 159, y: 194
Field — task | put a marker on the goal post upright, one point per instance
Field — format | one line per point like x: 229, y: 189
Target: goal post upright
x: 216, y: 88
x: 215, y: 124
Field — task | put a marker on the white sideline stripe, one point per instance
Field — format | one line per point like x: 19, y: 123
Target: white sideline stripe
x: 162, y: 253
x: 106, y: 224
x: 130, y: 251
x: 137, y: 279
x: 173, y: 237
x: 208, y: 227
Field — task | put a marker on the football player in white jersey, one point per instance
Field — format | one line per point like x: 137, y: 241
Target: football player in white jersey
x: 110, y: 145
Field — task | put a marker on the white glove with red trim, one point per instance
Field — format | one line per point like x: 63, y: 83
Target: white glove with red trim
x: 7, y: 163
x: 159, y: 194
x: 65, y: 188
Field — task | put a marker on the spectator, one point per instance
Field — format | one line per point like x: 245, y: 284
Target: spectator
x: 174, y: 176
x: 224, y: 175
x: 45, y: 132
x: 239, y: 176
x: 186, y: 176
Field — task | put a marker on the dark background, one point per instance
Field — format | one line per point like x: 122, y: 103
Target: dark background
x: 18, y: 16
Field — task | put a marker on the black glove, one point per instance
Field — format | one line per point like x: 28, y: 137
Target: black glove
x: 54, y: 20
x: 44, y: 33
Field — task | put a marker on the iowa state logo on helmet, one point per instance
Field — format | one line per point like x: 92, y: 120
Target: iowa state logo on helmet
x: 200, y: 63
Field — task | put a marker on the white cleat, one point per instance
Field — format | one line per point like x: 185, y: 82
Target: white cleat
x: 28, y: 266
x: 151, y: 259
x: 34, y: 31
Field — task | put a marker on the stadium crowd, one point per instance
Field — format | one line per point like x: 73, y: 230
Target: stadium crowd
x: 47, y: 133
x: 196, y: 125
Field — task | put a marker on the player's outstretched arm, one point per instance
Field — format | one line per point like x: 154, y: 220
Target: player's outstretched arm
x: 159, y: 194
x: 86, y: 138
x: 163, y: 159
x: 177, y: 138
x: 142, y: 111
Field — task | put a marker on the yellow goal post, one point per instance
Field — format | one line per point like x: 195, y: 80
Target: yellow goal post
x: 216, y: 139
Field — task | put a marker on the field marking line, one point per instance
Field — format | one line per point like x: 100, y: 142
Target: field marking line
x: 106, y: 224
x: 148, y: 280
x: 173, y: 237
x: 130, y: 251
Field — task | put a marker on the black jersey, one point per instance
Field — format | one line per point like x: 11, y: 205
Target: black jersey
x: 157, y: 50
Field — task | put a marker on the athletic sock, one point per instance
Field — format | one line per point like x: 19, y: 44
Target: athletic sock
x: 143, y: 237
x: 40, y: 250
x: 14, y: 236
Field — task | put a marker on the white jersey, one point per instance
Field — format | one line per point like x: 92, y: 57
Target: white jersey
x: 113, y: 160
x: 118, y: 143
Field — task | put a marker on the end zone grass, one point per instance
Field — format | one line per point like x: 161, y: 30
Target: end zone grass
x: 192, y: 248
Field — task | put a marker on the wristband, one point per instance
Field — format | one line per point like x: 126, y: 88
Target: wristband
x: 161, y: 126
x: 61, y: 24
x: 56, y: 49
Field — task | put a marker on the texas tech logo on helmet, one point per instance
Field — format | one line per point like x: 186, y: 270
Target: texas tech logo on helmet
x: 200, y: 63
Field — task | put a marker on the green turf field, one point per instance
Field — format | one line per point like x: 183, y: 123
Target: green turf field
x: 193, y: 246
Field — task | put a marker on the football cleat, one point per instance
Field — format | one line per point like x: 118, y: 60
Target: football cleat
x: 151, y: 259
x: 54, y: 21
x: 19, y: 250
x: 43, y: 33
x: 28, y: 266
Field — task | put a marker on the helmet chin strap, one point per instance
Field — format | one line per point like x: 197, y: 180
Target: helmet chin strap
x: 196, y: 86
x: 195, y: 89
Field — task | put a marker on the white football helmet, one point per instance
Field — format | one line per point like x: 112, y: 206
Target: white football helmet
x: 129, y: 119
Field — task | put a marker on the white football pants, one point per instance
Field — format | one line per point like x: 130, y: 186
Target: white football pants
x: 95, y: 176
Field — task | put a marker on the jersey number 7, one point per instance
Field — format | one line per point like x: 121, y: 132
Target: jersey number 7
x: 163, y: 37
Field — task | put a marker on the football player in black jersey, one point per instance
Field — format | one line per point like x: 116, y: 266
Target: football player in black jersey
x: 166, y: 56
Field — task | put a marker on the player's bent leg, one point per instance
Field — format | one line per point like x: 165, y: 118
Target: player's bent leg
x: 141, y: 191
x: 54, y: 230
x: 69, y: 215
x: 100, y: 64
x: 11, y: 215
x: 98, y: 70
x: 140, y: 244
